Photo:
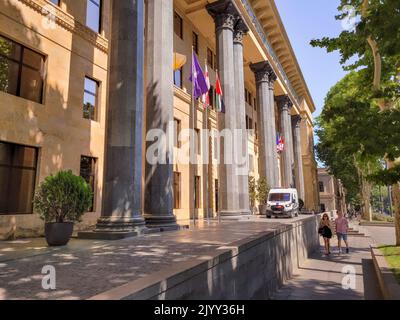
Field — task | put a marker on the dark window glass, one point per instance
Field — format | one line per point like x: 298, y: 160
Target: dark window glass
x: 18, y: 166
x: 90, y: 99
x: 88, y: 172
x: 212, y: 97
x: 198, y: 141
x: 210, y: 58
x: 197, y: 192
x: 56, y: 2
x: 279, y: 197
x: 178, y: 25
x: 321, y: 187
x: 195, y: 42
x: 255, y: 104
x: 177, y: 130
x: 177, y: 190
x: 21, y: 71
x: 93, y: 15
x: 216, y: 196
x: 178, y: 77
x: 323, y: 208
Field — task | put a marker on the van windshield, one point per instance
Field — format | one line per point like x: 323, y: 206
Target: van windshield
x: 279, y: 197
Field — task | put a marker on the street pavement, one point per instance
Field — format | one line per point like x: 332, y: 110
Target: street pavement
x: 326, y: 277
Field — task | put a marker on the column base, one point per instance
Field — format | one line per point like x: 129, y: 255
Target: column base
x: 230, y: 214
x: 161, y: 222
x: 115, y: 228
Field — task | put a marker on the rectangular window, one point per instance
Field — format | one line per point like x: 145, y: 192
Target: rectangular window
x: 88, y: 172
x: 22, y: 71
x: 250, y: 123
x: 177, y: 130
x: 255, y: 104
x: 177, y: 190
x: 18, y: 166
x: 178, y: 25
x: 321, y: 187
x: 210, y: 58
x: 197, y: 192
x: 90, y: 99
x: 198, y: 141
x: 323, y: 208
x: 93, y: 15
x: 56, y: 2
x: 216, y: 196
x: 195, y: 42
x: 212, y: 97
x: 178, y: 77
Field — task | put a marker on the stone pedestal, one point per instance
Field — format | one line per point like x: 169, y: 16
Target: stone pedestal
x: 225, y: 15
x: 159, y: 113
x: 122, y: 206
x: 268, y: 157
x: 285, y: 105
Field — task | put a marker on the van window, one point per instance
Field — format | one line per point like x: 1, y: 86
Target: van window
x: 279, y: 197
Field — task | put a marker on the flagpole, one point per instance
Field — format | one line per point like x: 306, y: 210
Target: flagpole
x: 193, y: 142
x: 208, y: 147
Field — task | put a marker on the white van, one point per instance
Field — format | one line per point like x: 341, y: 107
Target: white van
x: 282, y: 203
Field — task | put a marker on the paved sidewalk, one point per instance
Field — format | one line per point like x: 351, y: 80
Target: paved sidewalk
x: 86, y: 268
x: 320, y: 277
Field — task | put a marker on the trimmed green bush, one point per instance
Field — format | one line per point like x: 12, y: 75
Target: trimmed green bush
x: 262, y: 190
x: 382, y: 218
x: 63, y: 197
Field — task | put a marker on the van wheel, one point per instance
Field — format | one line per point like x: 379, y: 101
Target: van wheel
x: 269, y: 217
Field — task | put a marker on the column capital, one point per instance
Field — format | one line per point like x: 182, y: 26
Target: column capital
x: 224, y: 13
x: 263, y: 72
x: 284, y: 102
x: 240, y: 31
x: 296, y: 120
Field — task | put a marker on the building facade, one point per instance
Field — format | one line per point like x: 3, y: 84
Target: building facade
x: 82, y: 83
x: 332, y: 192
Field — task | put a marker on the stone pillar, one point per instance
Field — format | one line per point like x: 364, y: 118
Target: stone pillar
x: 159, y: 113
x: 121, y: 214
x: 285, y: 105
x: 225, y: 16
x: 243, y: 152
x: 268, y: 158
x: 298, y: 157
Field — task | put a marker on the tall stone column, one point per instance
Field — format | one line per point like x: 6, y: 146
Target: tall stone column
x: 268, y: 158
x: 298, y: 157
x: 225, y: 16
x: 285, y: 106
x: 122, y: 206
x: 243, y: 150
x: 159, y: 113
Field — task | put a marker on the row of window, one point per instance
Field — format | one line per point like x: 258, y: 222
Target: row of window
x: 93, y: 13
x: 22, y: 74
x: 18, y: 171
x: 177, y: 189
x: 250, y: 99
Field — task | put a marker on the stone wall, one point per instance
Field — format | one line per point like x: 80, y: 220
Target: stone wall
x: 253, y: 268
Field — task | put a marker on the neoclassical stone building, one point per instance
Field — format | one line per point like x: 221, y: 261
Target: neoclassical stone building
x: 82, y: 82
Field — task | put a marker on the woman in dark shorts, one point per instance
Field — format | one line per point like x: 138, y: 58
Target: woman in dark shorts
x: 325, y: 230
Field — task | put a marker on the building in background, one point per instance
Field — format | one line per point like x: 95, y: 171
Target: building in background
x: 77, y: 94
x: 332, y: 192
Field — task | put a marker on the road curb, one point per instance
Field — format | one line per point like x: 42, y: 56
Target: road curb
x: 387, y: 282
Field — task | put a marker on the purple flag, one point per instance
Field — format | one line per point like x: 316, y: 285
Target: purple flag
x: 198, y: 78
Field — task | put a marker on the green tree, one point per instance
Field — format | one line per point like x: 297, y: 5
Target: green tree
x: 374, y: 44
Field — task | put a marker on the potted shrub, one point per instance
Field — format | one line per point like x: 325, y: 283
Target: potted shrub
x: 262, y: 195
x: 60, y: 201
x: 252, y: 193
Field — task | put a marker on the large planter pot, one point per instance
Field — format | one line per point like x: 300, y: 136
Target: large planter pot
x: 262, y: 209
x: 58, y: 234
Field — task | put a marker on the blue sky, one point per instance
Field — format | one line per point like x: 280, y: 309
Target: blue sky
x: 305, y: 20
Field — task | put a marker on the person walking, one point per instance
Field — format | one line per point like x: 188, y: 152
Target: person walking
x: 342, y: 228
x: 325, y: 230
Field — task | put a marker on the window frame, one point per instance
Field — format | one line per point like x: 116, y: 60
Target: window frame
x: 97, y: 98
x: 35, y: 169
x: 197, y: 192
x: 94, y: 162
x: 100, y: 20
x: 21, y: 65
x: 177, y: 192
x: 177, y: 15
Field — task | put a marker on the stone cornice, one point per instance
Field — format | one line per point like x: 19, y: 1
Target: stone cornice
x: 296, y: 120
x: 67, y: 21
